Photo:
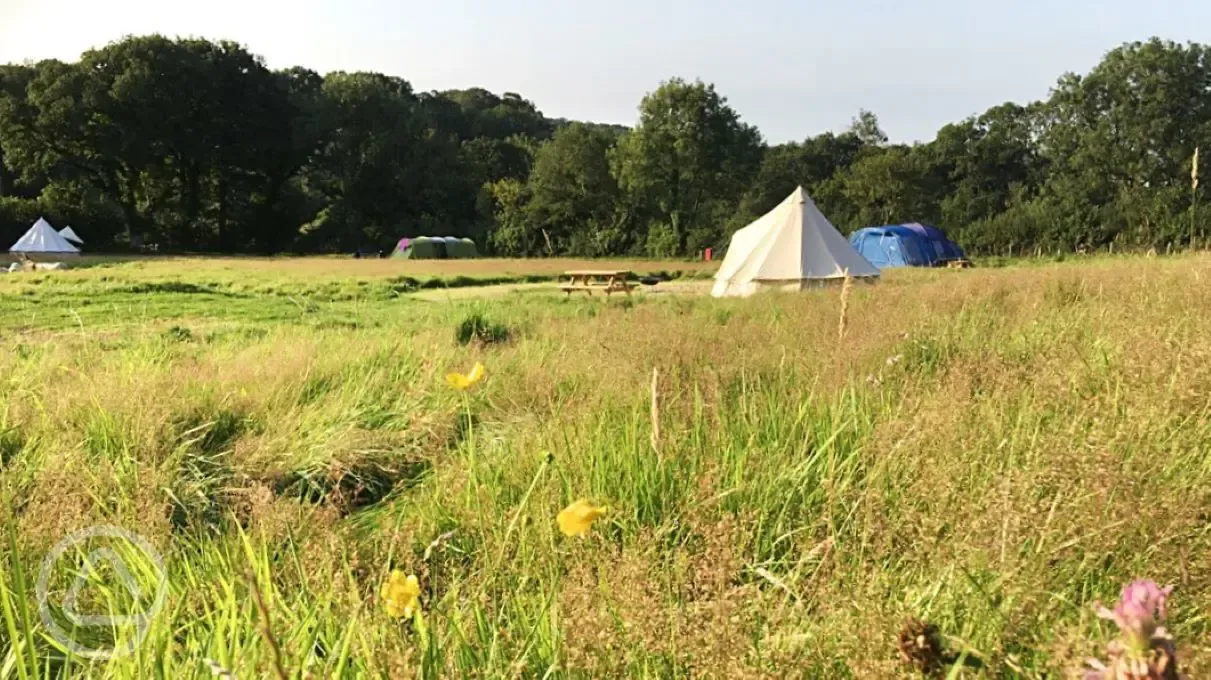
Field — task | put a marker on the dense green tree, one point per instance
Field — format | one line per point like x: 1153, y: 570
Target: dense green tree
x: 884, y: 186
x: 574, y: 198
x: 983, y: 158
x: 515, y: 234
x: 865, y: 126
x: 614, y: 131
x: 13, y: 83
x: 489, y: 160
x: 496, y: 137
x: 1123, y: 134
x: 6, y: 177
x: 474, y: 113
x: 284, y: 201
x: 688, y: 161
x: 808, y: 164
x: 369, y: 170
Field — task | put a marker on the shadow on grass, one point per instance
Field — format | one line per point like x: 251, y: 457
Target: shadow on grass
x: 354, y: 486
x: 179, y: 287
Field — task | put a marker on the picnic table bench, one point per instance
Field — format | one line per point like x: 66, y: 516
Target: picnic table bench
x: 589, y: 280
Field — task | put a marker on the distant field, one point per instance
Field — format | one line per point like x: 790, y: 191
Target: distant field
x: 341, y: 267
x: 152, y: 290
x: 990, y: 450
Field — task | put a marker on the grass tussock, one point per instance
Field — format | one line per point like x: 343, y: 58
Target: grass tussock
x: 475, y: 327
x: 942, y: 481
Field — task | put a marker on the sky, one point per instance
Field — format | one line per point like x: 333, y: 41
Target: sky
x: 793, y: 68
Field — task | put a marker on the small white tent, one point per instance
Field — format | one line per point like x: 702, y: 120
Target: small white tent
x: 42, y: 239
x: 791, y: 247
x: 71, y: 236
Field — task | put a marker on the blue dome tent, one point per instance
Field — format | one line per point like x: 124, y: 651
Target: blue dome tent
x: 945, y: 249
x: 906, y: 245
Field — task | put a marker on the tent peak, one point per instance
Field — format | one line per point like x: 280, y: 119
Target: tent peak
x: 799, y: 195
x: 71, y: 235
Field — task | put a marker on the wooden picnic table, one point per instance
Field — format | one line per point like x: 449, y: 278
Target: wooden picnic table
x: 611, y: 281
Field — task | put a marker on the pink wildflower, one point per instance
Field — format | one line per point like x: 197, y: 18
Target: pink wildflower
x: 1144, y: 651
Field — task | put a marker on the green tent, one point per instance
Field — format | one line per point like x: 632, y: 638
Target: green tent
x: 436, y: 248
x: 423, y: 248
x: 461, y: 248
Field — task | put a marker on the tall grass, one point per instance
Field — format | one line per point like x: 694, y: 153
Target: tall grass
x: 988, y: 451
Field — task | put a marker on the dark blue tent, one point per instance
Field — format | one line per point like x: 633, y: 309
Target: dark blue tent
x: 893, y: 247
x: 907, y: 245
x: 944, y: 248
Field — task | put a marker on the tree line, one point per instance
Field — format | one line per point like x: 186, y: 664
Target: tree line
x: 196, y: 145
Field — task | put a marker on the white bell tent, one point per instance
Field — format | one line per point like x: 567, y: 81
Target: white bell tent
x: 42, y: 239
x: 792, y: 247
x: 71, y: 236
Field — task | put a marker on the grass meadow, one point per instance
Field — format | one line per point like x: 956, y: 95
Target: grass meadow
x: 991, y: 451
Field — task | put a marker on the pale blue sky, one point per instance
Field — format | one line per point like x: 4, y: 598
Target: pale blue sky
x: 793, y: 68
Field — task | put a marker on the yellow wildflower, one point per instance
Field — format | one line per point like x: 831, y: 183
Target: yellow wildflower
x: 461, y: 382
x: 401, y: 595
x: 578, y: 518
